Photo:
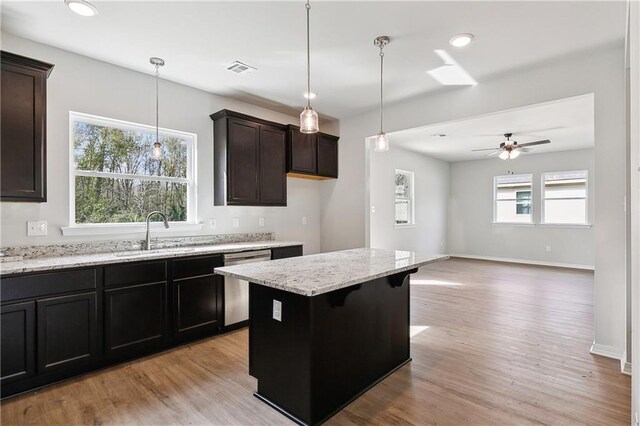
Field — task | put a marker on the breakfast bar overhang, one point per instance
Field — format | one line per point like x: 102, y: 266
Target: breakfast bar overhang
x: 325, y: 328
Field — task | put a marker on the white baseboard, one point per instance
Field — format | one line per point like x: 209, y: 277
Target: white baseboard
x: 523, y: 261
x: 607, y: 351
x: 625, y: 368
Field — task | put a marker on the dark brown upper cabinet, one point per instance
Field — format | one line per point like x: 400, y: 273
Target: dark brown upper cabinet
x: 23, y: 143
x: 249, y: 159
x: 311, y: 156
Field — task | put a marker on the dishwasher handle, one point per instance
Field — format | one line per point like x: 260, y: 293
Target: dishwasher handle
x: 258, y: 255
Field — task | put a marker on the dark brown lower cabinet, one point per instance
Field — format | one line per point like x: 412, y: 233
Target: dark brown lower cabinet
x: 197, y: 306
x: 67, y: 331
x: 18, y: 336
x: 135, y: 319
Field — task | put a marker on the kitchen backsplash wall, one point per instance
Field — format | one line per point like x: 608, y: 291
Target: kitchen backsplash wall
x: 82, y: 84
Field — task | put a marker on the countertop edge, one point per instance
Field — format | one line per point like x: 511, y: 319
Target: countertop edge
x: 303, y: 292
x: 10, y: 268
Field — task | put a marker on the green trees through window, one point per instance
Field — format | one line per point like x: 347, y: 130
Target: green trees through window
x: 118, y: 181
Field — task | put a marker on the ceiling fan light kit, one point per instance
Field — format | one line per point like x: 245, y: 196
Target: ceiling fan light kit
x: 509, y: 149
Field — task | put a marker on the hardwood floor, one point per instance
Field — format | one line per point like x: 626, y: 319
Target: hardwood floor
x: 496, y: 343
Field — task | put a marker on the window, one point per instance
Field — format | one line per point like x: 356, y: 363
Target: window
x: 404, y: 209
x: 565, y: 197
x: 116, y: 180
x: 512, y: 194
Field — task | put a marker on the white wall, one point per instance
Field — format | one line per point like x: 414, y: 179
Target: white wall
x: 431, y: 190
x: 344, y: 202
x: 471, y: 231
x: 81, y: 84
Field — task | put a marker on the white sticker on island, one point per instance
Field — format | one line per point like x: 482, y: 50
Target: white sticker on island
x: 277, y: 310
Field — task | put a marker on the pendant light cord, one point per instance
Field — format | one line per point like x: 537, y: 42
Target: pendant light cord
x: 157, y: 103
x: 308, y: 6
x: 381, y: 87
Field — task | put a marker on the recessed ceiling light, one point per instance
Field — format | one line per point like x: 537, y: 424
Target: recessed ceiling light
x: 309, y: 95
x: 81, y: 7
x: 461, y: 40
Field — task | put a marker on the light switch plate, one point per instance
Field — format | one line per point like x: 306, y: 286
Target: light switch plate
x: 236, y: 222
x: 261, y: 221
x: 304, y: 220
x: 212, y: 223
x: 37, y: 229
x: 277, y: 310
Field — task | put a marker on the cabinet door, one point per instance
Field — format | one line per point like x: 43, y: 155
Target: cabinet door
x: 135, y: 319
x: 302, y: 152
x: 273, y: 167
x: 197, y: 306
x: 18, y: 334
x: 327, y: 156
x: 67, y: 331
x: 243, y: 162
x: 23, y: 147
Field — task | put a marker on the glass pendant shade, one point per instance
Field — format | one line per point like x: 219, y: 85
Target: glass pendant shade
x: 515, y: 153
x: 309, y: 121
x: 381, y: 142
x: 504, y: 155
x: 156, y: 152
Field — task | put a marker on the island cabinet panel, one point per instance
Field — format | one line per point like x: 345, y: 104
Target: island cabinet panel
x: 135, y: 319
x: 197, y: 297
x: 24, y: 131
x: 285, y: 252
x: 333, y: 346
x: 313, y: 156
x: 250, y: 161
x: 67, y: 331
x: 18, y: 335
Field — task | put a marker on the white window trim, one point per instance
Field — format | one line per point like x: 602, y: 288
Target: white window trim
x: 586, y: 224
x: 75, y: 229
x: 494, y: 220
x: 412, y: 201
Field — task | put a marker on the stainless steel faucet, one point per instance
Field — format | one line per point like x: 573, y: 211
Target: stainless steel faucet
x: 147, y: 245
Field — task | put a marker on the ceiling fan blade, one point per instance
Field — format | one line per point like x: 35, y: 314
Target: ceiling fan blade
x: 534, y: 143
x: 485, y: 149
x: 493, y: 153
x: 523, y: 149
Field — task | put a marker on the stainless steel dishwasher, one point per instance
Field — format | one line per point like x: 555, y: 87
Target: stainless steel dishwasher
x: 236, y: 291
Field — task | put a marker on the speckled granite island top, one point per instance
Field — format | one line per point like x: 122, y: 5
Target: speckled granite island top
x: 80, y: 260
x: 325, y: 272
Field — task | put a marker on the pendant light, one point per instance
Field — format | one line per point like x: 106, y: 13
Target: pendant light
x: 308, y: 117
x: 157, y: 151
x: 380, y: 141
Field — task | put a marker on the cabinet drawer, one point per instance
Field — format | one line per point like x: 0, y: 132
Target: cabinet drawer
x: 36, y: 285
x: 195, y: 266
x: 135, y: 273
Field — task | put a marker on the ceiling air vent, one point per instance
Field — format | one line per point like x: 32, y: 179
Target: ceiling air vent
x: 240, y: 68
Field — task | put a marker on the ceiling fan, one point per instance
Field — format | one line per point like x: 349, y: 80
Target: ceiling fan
x: 509, y: 149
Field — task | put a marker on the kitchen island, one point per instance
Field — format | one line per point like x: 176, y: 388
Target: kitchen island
x: 325, y: 328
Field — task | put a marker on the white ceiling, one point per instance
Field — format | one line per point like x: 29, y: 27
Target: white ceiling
x: 199, y: 40
x: 567, y: 123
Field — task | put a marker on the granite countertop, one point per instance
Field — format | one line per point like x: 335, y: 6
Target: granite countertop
x: 75, y: 261
x: 325, y: 272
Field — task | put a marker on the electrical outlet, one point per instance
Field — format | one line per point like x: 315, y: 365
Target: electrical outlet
x: 261, y: 221
x: 37, y: 229
x: 212, y: 223
x: 236, y: 222
x: 304, y: 220
x: 277, y: 310
x: 373, y: 209
x: 548, y: 248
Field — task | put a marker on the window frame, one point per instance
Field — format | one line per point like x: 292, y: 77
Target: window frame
x: 411, y: 199
x: 108, y: 227
x: 543, y: 200
x: 495, y: 202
